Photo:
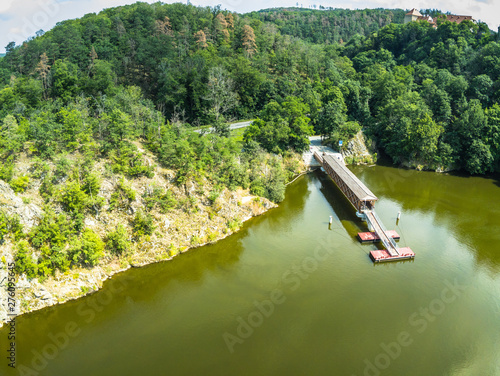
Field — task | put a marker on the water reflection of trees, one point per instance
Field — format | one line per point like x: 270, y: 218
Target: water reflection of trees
x: 143, y: 285
x: 140, y: 285
x: 283, y: 217
x: 190, y: 267
x: 468, y: 206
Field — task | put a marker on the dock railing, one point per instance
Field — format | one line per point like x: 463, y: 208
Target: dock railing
x: 381, y: 231
x: 384, y: 229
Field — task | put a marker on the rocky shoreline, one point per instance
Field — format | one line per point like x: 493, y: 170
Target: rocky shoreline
x: 34, y: 295
x: 179, y: 230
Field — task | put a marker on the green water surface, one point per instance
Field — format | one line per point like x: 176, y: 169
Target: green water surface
x: 288, y: 295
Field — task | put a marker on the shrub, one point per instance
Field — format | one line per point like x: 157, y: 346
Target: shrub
x: 234, y: 224
x: 143, y: 224
x: 39, y: 168
x: 24, y: 262
x: 212, y: 236
x: 52, y: 258
x: 349, y: 129
x: 44, y: 268
x: 16, y: 227
x: 73, y: 198
x: 257, y: 188
x: 91, y: 184
x: 123, y: 195
x: 47, y: 187
x: 127, y: 160
x: 117, y: 241
x: 276, y: 185
x: 139, y: 169
x: 7, y: 169
x: 4, y: 226
x: 10, y: 225
x: 53, y: 230
x: 195, y: 240
x: 78, y: 221
x: 345, y: 133
x: 292, y: 167
x: 20, y: 183
x: 157, y: 197
x: 87, y: 250
x: 63, y: 168
x: 50, y: 237
x: 215, y: 193
x: 349, y: 160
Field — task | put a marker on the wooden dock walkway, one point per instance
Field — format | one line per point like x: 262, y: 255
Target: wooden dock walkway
x: 379, y: 228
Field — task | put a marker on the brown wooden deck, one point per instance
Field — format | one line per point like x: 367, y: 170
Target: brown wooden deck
x: 356, y: 192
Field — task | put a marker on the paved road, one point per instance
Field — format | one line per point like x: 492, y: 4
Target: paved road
x: 243, y: 124
x: 315, y: 145
x: 233, y: 126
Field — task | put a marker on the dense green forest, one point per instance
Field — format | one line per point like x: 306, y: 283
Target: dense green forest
x: 435, y: 93
x: 428, y: 96
x: 98, y: 86
x: 328, y: 26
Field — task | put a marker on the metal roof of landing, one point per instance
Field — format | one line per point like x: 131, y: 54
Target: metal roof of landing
x: 357, y: 187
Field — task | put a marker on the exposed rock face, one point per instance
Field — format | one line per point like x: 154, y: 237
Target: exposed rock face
x: 195, y: 220
x: 29, y: 214
x: 176, y: 228
x: 357, y: 151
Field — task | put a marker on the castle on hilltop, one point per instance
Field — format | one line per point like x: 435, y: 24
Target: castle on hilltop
x: 414, y: 15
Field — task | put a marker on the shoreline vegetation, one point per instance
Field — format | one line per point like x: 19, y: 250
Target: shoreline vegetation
x: 204, y: 220
x: 100, y: 166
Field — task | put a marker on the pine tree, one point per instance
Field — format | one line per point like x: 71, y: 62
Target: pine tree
x: 221, y: 26
x: 164, y: 27
x: 230, y: 21
x: 249, y: 44
x: 201, y: 39
x: 43, y: 69
x: 93, y: 58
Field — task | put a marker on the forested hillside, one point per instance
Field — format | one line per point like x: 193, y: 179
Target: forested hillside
x: 96, y: 128
x: 105, y: 88
x: 435, y: 93
x: 204, y: 65
x: 328, y: 26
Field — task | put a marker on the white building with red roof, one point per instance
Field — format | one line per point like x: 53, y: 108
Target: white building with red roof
x: 415, y: 15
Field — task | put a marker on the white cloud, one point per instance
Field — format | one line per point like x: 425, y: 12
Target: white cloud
x: 5, y: 5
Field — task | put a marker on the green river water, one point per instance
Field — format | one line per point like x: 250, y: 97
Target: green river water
x: 287, y: 295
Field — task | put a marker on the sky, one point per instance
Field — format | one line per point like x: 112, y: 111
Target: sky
x: 21, y: 19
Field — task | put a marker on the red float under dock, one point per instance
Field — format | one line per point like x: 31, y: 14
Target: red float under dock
x: 382, y: 255
x: 372, y: 237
